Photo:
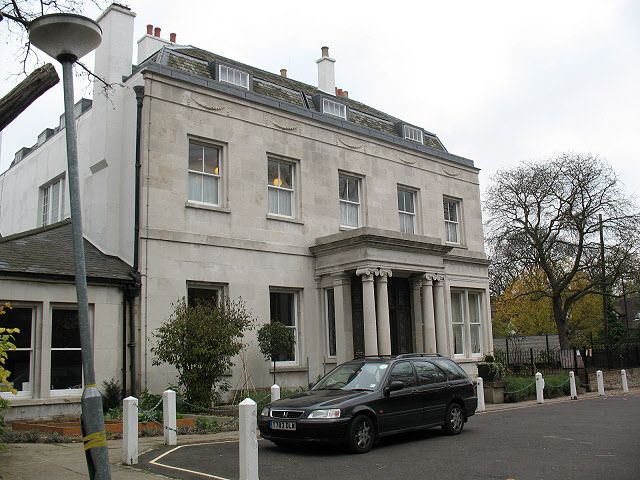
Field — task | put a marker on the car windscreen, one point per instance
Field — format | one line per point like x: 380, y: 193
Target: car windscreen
x: 354, y: 376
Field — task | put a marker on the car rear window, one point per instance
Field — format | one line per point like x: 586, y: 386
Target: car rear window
x: 428, y: 373
x: 454, y: 372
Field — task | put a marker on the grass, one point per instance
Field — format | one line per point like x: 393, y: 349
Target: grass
x: 518, y: 389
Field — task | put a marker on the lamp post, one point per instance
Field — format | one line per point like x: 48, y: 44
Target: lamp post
x: 68, y: 37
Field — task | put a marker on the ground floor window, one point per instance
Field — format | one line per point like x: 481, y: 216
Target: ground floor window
x: 466, y: 319
x: 331, y: 322
x: 66, y: 353
x: 204, y: 293
x: 284, y: 309
x: 20, y: 361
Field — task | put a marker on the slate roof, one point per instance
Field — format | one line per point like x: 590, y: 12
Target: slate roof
x: 195, y: 61
x: 48, y: 252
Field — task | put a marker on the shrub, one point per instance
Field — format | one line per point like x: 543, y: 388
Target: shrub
x: 111, y: 395
x: 276, y: 341
x: 517, y: 389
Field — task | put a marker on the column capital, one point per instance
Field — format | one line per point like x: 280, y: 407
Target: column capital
x: 434, y: 277
x: 384, y: 273
x: 366, y: 272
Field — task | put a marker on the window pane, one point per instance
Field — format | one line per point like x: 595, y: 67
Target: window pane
x: 195, y: 157
x: 273, y: 201
x: 331, y: 322
x: 285, y: 175
x: 457, y: 338
x: 19, y: 318
x: 19, y: 364
x: 210, y: 189
x: 282, y: 308
x: 452, y: 232
x: 284, y: 203
x: 353, y: 190
x: 406, y: 223
x: 348, y: 214
x: 195, y: 187
x: 456, y: 307
x: 404, y: 373
x: 408, y: 204
x: 342, y: 186
x: 401, y: 200
x: 272, y: 174
x: 65, y: 332
x: 211, y: 164
x: 55, y: 201
x: 474, y: 308
x: 428, y: 373
x: 45, y: 206
x: 475, y: 338
x: 344, y: 214
x: 66, y: 369
x: 202, y: 295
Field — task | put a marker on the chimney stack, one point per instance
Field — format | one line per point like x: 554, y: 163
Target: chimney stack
x: 326, y: 73
x: 283, y: 72
x: 172, y: 37
x: 149, y: 29
x: 156, y: 32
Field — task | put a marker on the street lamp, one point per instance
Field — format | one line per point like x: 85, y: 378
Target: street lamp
x: 68, y: 37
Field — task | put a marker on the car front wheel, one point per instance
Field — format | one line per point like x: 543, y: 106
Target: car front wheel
x: 361, y: 434
x: 453, y: 420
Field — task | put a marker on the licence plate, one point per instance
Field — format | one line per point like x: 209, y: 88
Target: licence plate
x: 280, y: 425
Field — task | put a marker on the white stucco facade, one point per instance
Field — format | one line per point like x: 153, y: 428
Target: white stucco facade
x: 407, y: 280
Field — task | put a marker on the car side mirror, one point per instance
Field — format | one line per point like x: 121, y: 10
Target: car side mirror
x: 393, y: 386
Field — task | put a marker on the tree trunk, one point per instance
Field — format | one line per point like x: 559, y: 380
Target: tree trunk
x: 26, y: 92
x: 561, y: 322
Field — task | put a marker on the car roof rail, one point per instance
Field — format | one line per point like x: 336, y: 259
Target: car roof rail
x: 408, y: 355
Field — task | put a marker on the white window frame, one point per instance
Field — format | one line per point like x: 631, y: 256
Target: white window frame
x: 448, y: 223
x: 327, y: 317
x: 412, y: 133
x: 31, y: 349
x: 406, y: 213
x: 296, y: 324
x: 67, y: 391
x: 346, y: 201
x: 202, y: 174
x: 280, y: 188
x: 46, y: 211
x: 233, y: 76
x: 464, y: 295
x: 334, y: 108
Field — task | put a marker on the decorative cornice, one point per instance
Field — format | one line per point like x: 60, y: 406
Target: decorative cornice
x: 449, y: 173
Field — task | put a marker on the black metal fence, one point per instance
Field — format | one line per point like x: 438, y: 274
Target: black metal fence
x: 549, y: 361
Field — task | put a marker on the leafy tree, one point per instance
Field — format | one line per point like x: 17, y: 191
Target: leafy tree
x: 545, y: 216
x: 199, y: 341
x: 276, y: 341
x: 6, y: 344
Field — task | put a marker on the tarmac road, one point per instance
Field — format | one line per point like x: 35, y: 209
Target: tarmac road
x: 592, y: 438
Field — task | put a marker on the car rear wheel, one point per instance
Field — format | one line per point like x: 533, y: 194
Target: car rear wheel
x: 361, y: 434
x: 453, y: 420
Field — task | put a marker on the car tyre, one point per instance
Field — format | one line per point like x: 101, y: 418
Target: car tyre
x: 361, y: 434
x: 454, y: 419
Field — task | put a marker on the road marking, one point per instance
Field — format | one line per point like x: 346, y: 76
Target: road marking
x: 555, y: 437
x: 159, y: 457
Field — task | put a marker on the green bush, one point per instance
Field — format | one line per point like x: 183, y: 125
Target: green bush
x: 518, y: 389
x: 111, y: 394
x: 206, y: 425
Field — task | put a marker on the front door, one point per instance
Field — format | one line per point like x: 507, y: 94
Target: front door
x: 357, y: 316
x: 400, y: 315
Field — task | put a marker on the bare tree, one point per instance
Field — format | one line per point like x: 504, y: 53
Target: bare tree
x: 545, y: 216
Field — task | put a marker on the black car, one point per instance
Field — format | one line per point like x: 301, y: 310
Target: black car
x: 367, y: 398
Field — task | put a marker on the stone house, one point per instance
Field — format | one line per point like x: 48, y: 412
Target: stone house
x: 359, y: 231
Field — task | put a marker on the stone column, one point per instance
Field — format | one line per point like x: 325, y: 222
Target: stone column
x: 382, y: 313
x: 428, y: 315
x: 369, y: 308
x: 418, y: 321
x: 344, y: 327
x: 440, y: 317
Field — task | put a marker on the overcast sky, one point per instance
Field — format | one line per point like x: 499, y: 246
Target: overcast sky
x: 498, y: 81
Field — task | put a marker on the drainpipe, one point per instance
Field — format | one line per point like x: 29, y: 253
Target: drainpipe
x: 135, y: 291
x: 124, y: 340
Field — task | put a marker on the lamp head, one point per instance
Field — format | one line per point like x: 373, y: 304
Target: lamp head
x: 65, y: 36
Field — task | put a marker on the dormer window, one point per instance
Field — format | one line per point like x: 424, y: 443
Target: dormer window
x: 412, y: 133
x: 334, y: 108
x: 233, y: 76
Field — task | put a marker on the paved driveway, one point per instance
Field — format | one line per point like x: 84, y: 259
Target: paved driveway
x: 590, y: 438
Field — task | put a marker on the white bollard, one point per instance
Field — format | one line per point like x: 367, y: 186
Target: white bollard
x: 169, y: 417
x: 625, y: 385
x: 539, y: 388
x: 481, y: 406
x: 275, y: 392
x: 600, y: 383
x: 248, y: 440
x: 572, y: 385
x: 130, y: 431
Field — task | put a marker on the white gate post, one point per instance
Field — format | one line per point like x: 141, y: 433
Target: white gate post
x: 169, y: 417
x: 539, y: 388
x: 625, y: 385
x: 600, y: 383
x: 248, y: 440
x: 275, y: 392
x: 480, y: 395
x: 130, y: 431
x: 572, y: 385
